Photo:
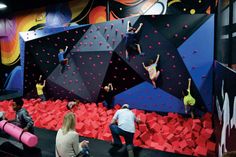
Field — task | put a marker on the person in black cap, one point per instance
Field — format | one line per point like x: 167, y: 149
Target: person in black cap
x: 125, y: 119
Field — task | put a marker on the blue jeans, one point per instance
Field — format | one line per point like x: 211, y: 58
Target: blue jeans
x: 116, y: 132
x: 42, y: 97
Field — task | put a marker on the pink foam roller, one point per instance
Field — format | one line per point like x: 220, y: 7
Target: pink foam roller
x: 16, y: 132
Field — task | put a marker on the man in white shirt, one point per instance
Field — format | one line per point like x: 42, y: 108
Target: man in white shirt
x: 126, y: 127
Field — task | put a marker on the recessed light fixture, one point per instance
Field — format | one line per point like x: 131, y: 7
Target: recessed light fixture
x: 3, y: 6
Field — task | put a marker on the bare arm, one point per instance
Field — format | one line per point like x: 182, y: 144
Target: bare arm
x: 40, y: 76
x: 189, y: 84
x: 66, y: 49
x: 44, y: 82
x: 144, y: 66
x: 128, y: 24
x: 157, y: 59
x: 140, y: 26
x: 110, y: 85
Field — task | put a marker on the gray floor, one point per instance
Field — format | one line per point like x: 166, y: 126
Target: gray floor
x: 46, y: 147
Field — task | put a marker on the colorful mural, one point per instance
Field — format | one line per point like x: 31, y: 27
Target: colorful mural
x: 83, y: 11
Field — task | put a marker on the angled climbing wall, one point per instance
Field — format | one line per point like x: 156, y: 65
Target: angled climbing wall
x: 97, y: 57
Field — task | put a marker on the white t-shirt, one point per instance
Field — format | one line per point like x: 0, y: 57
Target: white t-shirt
x: 67, y: 145
x: 126, y: 120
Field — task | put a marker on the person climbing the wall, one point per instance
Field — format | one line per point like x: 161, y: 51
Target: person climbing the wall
x: 189, y: 101
x: 109, y: 95
x: 152, y: 71
x: 63, y: 61
x: 132, y: 41
x: 39, y: 88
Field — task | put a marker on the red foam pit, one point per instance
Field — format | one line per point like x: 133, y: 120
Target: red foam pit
x: 165, y: 129
x: 107, y: 136
x: 197, y: 121
x: 201, y: 151
x: 187, y: 151
x: 110, y: 112
x: 154, y: 145
x: 168, y: 146
x: 145, y: 136
x: 201, y: 141
x: 190, y: 143
x: 179, y: 128
x: 175, y: 143
x: 185, y: 131
x: 100, y: 105
x: 142, y: 117
x: 52, y: 124
x: 46, y: 120
x: 151, y: 122
x: 117, y: 107
x: 94, y: 125
x: 94, y: 134
x: 188, y: 136
x: 172, y: 115
x: 160, y: 147
x: 207, y: 116
x: 148, y: 142
x: 211, y: 146
x: 170, y: 137
x: 161, y: 121
x: 87, y: 133
x: 207, y: 124
x: 37, y: 123
x: 149, y: 117
x: 178, y: 149
x: 196, y: 127
x: 158, y: 138
x: 137, y: 134
x: 137, y: 142
x: 80, y: 127
x: 183, y: 144
x: 142, y: 127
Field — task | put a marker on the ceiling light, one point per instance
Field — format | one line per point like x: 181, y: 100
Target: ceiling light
x: 3, y: 6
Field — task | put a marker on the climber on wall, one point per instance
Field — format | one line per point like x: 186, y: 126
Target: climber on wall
x: 132, y: 42
x: 152, y: 71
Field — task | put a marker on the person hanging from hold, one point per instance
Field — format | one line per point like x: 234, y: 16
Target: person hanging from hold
x: 63, y: 61
x: 152, y: 71
x: 189, y: 101
x: 39, y: 88
x: 109, y: 95
x: 132, y: 41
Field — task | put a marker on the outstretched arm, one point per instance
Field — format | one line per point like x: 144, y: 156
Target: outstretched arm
x: 40, y: 76
x: 140, y: 26
x: 157, y: 59
x: 144, y: 66
x: 66, y: 49
x: 189, y: 84
x: 44, y: 82
x: 128, y: 25
x: 110, y: 85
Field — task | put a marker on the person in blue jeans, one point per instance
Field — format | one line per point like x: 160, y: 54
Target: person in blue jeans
x: 63, y: 61
x: 125, y: 127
